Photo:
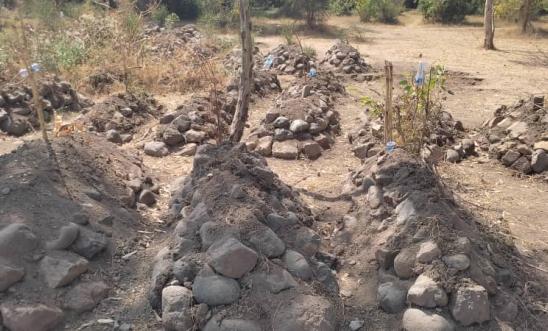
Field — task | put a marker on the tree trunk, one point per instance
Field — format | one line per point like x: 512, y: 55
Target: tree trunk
x: 246, y: 76
x: 525, y: 15
x: 489, y: 25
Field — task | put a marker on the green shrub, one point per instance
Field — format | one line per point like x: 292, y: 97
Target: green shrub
x: 185, y: 9
x: 342, y: 7
x: 511, y: 9
x: 159, y: 15
x: 60, y: 53
x: 219, y: 13
x: 309, y: 51
x: 444, y: 11
x: 171, y: 20
x: 385, y: 11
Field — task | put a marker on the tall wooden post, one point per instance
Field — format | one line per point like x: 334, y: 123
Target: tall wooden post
x: 388, y: 103
x: 246, y: 76
x: 489, y: 25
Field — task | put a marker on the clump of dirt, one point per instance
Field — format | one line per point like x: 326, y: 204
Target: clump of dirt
x: 63, y: 232
x: 303, y: 120
x: 192, y: 124
x: 16, y: 114
x: 289, y: 60
x: 345, y: 59
x: 243, y: 253
x: 121, y: 115
x: 518, y: 136
x: 431, y: 253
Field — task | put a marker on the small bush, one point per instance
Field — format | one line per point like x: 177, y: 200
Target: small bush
x: 444, y: 11
x: 160, y: 14
x: 342, y: 7
x: 171, y: 20
x: 219, y: 13
x: 309, y: 51
x: 385, y: 11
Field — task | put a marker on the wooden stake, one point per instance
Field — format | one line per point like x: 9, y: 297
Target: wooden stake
x: 242, y: 108
x: 388, y: 103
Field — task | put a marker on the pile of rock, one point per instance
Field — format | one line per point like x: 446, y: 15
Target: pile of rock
x: 16, y: 114
x: 233, y: 60
x: 518, y: 136
x: 120, y: 116
x: 289, y: 60
x: 434, y: 263
x: 445, y: 141
x: 264, y: 83
x: 343, y: 58
x: 166, y: 43
x: 190, y: 125
x: 243, y: 255
x: 303, y: 121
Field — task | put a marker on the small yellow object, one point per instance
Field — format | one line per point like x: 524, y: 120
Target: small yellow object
x: 64, y: 130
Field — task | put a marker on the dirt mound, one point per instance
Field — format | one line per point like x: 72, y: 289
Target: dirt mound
x: 233, y: 60
x: 518, y: 136
x: 167, y: 43
x: 16, y: 114
x: 121, y: 115
x: 303, y: 120
x: 445, y: 142
x: 243, y: 254
x: 264, y: 82
x: 345, y: 59
x: 192, y: 124
x: 431, y: 254
x: 289, y: 60
x: 61, y: 246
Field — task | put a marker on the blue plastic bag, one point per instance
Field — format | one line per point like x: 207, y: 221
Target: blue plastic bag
x: 312, y: 73
x: 419, y: 77
x: 268, y: 62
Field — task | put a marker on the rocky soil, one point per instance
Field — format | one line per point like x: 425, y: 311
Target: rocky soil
x: 65, y: 235
x: 289, y: 60
x: 517, y: 136
x: 17, y: 116
x: 243, y: 255
x: 303, y: 120
x: 344, y: 59
x: 437, y: 269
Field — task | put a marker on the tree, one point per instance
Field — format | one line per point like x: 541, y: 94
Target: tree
x: 489, y: 25
x: 525, y: 15
x: 246, y: 76
x: 312, y: 10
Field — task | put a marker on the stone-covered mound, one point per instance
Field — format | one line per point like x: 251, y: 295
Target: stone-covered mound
x: 121, y: 115
x: 518, y: 136
x: 191, y: 124
x: 303, y: 120
x: 166, y: 43
x: 16, y: 115
x: 289, y: 60
x: 437, y: 264
x: 60, y: 254
x: 264, y: 83
x: 345, y: 59
x: 444, y: 142
x: 243, y: 254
